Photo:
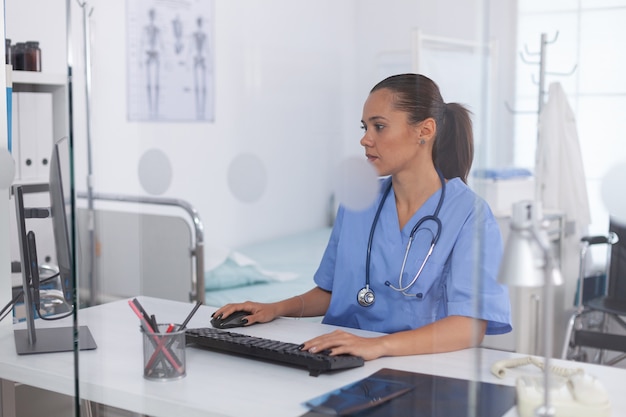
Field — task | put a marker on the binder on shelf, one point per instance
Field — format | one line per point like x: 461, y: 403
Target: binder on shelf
x: 35, y: 126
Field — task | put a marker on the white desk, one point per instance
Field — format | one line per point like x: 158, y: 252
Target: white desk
x: 223, y: 385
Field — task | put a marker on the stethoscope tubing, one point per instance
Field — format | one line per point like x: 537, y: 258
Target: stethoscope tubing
x: 434, y: 217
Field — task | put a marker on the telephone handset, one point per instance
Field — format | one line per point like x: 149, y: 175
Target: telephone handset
x: 573, y: 393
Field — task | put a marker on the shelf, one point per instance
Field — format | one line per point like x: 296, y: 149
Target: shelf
x: 38, y: 78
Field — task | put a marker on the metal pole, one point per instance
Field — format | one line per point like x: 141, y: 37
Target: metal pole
x: 91, y: 222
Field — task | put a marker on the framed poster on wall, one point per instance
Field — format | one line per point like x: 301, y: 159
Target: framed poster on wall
x: 170, y: 50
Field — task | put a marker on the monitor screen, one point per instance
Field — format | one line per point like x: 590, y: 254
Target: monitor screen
x: 60, y: 209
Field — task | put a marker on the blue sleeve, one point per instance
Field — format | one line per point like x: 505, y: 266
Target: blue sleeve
x: 325, y: 274
x: 474, y: 266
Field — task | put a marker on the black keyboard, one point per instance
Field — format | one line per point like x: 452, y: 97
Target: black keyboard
x: 269, y: 350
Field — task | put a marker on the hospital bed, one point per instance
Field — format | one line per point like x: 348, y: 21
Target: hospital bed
x: 135, y: 245
x: 267, y: 271
x: 155, y: 246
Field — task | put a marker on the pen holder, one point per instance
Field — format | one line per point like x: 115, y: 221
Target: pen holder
x: 164, y: 353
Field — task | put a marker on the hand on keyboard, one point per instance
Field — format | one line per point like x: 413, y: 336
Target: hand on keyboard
x: 270, y: 350
x: 340, y: 342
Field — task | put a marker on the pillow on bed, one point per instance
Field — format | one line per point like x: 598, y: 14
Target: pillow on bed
x: 237, y: 270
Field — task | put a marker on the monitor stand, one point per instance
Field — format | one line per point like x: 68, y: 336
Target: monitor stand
x: 53, y: 339
x: 48, y: 339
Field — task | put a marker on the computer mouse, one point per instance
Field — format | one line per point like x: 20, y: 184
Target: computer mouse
x: 236, y: 319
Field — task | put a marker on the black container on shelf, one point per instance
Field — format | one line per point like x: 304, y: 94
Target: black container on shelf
x: 18, y: 54
x: 8, y: 57
x: 32, y: 56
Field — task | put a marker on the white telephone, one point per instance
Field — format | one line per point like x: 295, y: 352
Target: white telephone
x: 573, y: 393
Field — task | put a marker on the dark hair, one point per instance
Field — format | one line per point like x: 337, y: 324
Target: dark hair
x: 419, y: 96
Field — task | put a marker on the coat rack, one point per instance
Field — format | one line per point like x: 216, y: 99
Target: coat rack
x: 526, y: 58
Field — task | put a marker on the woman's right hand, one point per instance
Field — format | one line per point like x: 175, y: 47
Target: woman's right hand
x: 259, y: 312
x: 312, y: 303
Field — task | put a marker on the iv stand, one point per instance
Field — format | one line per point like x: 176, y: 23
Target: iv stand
x: 91, y: 223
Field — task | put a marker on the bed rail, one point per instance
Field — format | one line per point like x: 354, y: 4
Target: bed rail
x: 197, y: 251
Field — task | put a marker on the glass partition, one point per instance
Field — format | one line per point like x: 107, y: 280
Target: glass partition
x: 210, y: 142
x: 573, y: 36
x: 44, y: 304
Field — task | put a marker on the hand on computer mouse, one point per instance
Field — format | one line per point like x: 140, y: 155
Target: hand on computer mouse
x: 257, y: 312
x: 236, y: 319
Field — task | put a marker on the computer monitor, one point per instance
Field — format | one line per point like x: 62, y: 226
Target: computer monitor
x: 60, y: 207
x: 49, y: 339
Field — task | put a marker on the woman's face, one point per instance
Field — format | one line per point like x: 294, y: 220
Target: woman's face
x: 391, y: 143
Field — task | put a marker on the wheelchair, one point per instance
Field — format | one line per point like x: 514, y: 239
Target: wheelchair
x: 597, y: 326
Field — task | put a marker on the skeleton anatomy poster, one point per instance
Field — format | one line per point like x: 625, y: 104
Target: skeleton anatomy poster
x: 170, y: 60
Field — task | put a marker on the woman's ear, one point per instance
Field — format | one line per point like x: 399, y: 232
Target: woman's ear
x: 427, y: 129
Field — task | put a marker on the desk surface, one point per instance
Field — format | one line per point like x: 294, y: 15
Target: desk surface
x: 224, y: 385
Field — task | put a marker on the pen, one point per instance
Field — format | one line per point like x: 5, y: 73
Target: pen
x: 145, y: 324
x: 145, y: 315
x: 193, y: 311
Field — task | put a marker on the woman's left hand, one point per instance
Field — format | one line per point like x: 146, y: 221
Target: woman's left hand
x: 340, y: 342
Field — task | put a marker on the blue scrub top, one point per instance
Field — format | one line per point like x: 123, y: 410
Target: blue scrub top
x: 459, y: 278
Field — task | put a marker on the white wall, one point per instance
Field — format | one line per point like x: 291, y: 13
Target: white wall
x: 384, y: 32
x: 43, y: 21
x: 279, y: 76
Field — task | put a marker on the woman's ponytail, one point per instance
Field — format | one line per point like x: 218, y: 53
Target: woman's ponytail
x: 453, y: 152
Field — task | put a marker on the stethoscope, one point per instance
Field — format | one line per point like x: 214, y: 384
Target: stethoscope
x: 366, y: 296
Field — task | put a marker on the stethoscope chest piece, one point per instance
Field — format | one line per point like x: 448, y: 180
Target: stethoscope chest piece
x: 365, y: 296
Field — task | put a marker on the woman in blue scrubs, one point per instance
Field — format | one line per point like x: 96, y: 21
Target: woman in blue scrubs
x: 433, y: 246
